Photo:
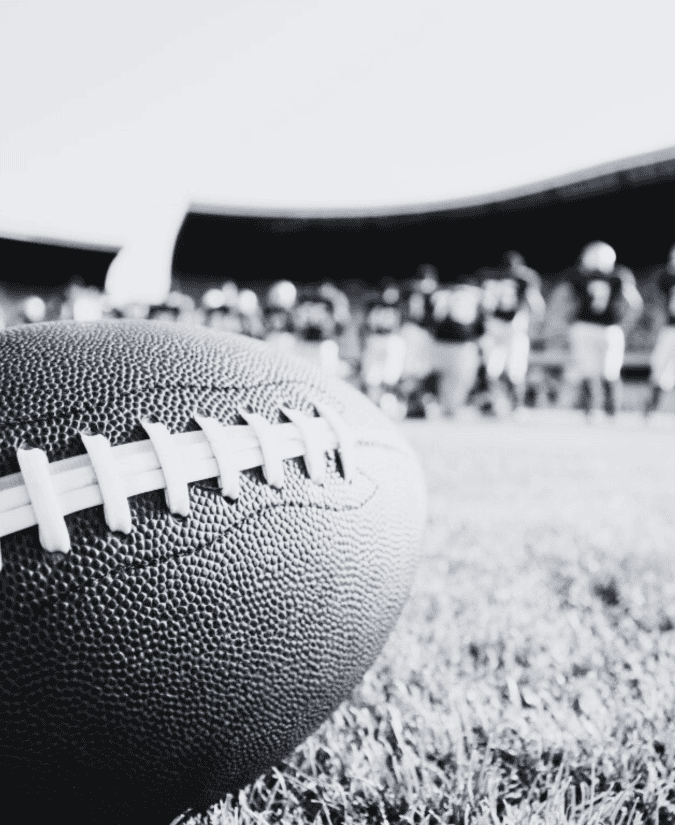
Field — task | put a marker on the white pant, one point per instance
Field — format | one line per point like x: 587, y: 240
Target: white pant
x: 383, y: 359
x: 457, y: 366
x: 662, y: 360
x: 323, y: 354
x: 506, y: 349
x: 418, y: 351
x: 596, y: 351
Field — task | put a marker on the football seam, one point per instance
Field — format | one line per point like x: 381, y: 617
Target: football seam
x: 205, y: 547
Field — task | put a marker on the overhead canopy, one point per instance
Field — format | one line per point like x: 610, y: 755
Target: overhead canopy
x: 116, y: 119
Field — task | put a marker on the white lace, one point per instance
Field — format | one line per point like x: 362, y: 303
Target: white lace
x: 42, y: 493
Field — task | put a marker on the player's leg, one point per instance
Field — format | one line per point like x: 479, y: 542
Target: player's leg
x: 591, y: 394
x: 496, y: 351
x: 653, y: 398
x: 574, y: 377
x: 516, y: 366
x: 372, y: 359
x: 615, y: 346
x: 591, y: 355
x: 613, y: 394
x: 395, y: 360
x: 484, y: 387
x: 662, y: 368
x: 419, y: 384
x: 470, y: 360
x: 448, y: 377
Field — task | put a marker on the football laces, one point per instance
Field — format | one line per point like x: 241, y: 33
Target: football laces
x: 42, y: 493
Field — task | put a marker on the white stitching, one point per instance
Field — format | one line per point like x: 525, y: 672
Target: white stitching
x: 115, y: 502
x: 273, y: 460
x: 42, y: 493
x: 315, y: 448
x: 170, y: 460
x: 37, y: 478
x: 224, y: 450
x: 346, y: 444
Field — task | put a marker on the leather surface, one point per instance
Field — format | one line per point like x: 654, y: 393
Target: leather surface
x: 143, y: 674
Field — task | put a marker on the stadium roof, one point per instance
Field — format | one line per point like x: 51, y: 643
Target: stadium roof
x: 625, y: 173
x: 119, y: 119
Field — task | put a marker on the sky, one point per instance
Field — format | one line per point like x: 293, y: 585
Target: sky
x: 116, y: 120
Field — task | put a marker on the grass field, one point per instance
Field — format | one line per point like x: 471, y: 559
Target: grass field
x: 532, y: 675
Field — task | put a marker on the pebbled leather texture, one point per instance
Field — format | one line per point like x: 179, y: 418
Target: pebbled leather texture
x: 143, y: 674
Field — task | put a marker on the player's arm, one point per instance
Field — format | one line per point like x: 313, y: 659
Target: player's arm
x: 634, y: 302
x: 630, y: 293
x: 535, y: 301
x: 560, y: 312
x: 532, y: 296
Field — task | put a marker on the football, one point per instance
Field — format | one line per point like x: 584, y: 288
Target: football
x: 204, y: 546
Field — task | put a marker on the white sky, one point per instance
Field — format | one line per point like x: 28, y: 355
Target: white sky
x: 115, y: 118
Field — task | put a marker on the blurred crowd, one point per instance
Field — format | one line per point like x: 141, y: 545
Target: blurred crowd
x: 430, y: 344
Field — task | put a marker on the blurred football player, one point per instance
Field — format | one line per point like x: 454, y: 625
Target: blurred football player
x: 177, y: 307
x: 605, y: 303
x: 662, y: 361
x: 458, y: 324
x: 82, y: 303
x: 251, y: 314
x: 340, y: 303
x: 512, y: 299
x: 426, y: 279
x: 32, y: 310
x: 220, y: 308
x: 383, y: 351
x: 315, y: 330
x: 347, y: 330
x: 230, y: 292
x: 418, y: 377
x: 280, y: 299
x: 163, y: 312
x: 212, y: 299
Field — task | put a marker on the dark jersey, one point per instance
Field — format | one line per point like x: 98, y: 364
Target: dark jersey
x: 313, y: 319
x: 598, y: 297
x: 277, y: 320
x: 506, y: 290
x: 666, y: 285
x: 417, y: 309
x: 456, y: 312
x: 382, y: 318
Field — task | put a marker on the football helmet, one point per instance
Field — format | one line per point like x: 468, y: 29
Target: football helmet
x: 340, y: 303
x: 279, y: 301
x: 212, y: 299
x: 33, y: 310
x: 314, y: 318
x: 426, y: 279
x: 231, y: 292
x: 282, y: 295
x: 597, y: 256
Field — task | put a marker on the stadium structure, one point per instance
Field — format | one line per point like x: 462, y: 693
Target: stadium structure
x: 326, y: 141
x: 625, y: 202
x: 350, y: 137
